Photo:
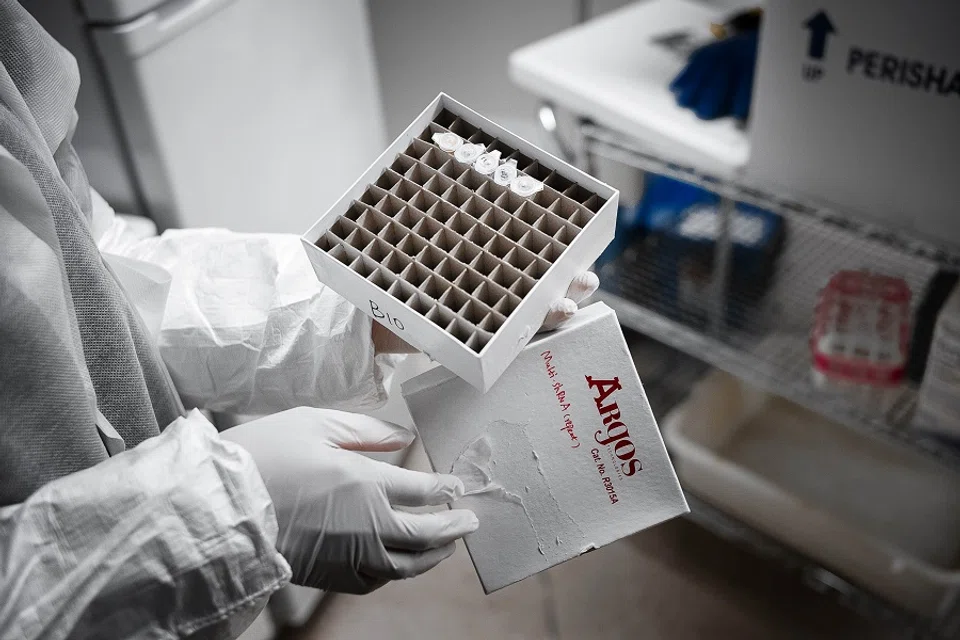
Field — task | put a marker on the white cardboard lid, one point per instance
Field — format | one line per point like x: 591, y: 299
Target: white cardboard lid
x: 568, y: 481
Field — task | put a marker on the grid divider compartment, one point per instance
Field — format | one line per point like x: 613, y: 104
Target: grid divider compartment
x: 483, y: 138
x: 453, y: 169
x: 403, y: 163
x: 388, y: 179
x: 463, y: 128
x: 450, y: 243
x: 405, y: 189
x: 418, y: 173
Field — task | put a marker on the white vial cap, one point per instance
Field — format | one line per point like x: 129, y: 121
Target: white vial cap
x: 526, y: 186
x: 487, y: 163
x: 468, y: 152
x: 506, y: 173
x: 448, y: 141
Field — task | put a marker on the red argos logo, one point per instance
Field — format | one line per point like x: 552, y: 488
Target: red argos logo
x: 616, y: 431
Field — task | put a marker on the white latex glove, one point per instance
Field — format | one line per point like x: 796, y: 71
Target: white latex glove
x: 582, y: 287
x: 339, y: 529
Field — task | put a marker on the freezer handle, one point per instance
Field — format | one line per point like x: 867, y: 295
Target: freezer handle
x: 139, y: 37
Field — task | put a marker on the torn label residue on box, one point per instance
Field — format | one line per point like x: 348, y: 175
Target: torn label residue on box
x: 482, y: 477
x: 474, y: 468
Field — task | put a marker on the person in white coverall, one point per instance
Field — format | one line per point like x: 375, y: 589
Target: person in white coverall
x: 121, y: 513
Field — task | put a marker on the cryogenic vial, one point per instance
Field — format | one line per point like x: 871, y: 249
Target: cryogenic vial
x: 448, y: 141
x: 468, y: 152
x: 525, y: 186
x: 487, y: 163
x: 506, y: 173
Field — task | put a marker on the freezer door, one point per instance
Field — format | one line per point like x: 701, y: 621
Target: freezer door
x: 117, y: 11
x: 245, y: 114
x: 96, y: 139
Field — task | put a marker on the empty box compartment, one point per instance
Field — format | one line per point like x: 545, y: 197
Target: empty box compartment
x: 877, y: 513
x: 459, y: 266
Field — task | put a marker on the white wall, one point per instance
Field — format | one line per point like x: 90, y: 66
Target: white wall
x: 461, y: 47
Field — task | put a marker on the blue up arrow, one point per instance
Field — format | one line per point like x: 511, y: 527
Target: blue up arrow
x: 820, y: 27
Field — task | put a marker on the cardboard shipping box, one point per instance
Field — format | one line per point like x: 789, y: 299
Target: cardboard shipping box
x: 857, y: 105
x: 560, y: 457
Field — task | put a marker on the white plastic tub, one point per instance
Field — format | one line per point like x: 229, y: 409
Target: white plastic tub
x: 878, y: 514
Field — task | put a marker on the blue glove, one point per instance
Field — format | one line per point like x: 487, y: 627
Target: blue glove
x: 718, y: 79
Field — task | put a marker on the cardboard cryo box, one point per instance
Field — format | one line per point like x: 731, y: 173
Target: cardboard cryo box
x: 460, y: 266
x: 560, y: 457
x: 857, y: 105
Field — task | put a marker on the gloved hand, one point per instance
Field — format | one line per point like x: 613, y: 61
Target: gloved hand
x: 339, y: 530
x: 582, y: 287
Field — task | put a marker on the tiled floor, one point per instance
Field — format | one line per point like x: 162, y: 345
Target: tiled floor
x: 673, y: 582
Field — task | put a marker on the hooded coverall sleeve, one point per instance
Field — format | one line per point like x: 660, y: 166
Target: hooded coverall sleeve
x: 174, y: 538
x: 171, y: 538
x: 247, y: 327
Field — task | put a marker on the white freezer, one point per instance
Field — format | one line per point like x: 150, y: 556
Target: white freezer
x: 215, y: 112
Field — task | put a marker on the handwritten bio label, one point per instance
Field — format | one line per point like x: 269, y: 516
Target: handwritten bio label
x: 383, y: 315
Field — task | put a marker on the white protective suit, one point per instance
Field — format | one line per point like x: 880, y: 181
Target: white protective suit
x: 121, y: 513
x: 175, y: 537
